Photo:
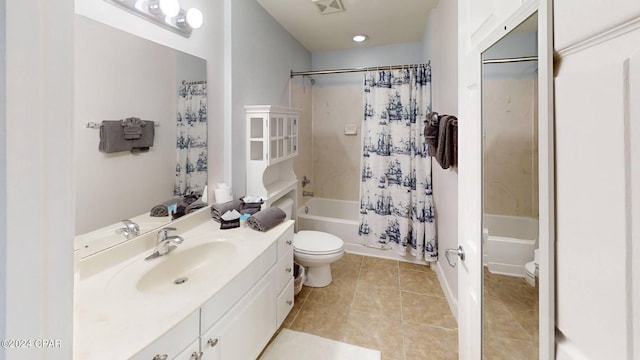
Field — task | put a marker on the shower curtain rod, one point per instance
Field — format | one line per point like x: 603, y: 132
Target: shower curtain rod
x: 352, y: 70
x: 510, y: 60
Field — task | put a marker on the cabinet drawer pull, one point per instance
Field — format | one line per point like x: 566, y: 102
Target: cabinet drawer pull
x: 289, y: 302
x: 289, y: 242
x: 212, y: 342
x: 161, y: 357
x: 289, y: 269
x: 197, y: 355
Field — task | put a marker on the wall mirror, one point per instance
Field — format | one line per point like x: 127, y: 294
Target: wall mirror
x: 119, y: 75
x: 510, y: 194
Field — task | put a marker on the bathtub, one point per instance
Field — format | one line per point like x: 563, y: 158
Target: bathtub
x: 509, y: 242
x: 340, y: 218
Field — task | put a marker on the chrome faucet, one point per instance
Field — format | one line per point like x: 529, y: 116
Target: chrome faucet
x: 307, y: 193
x: 165, y: 243
x: 129, y: 230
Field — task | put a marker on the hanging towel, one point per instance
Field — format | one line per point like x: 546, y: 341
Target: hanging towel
x: 112, y: 137
x: 133, y: 128
x: 431, y: 130
x: 447, y: 151
x: 266, y: 219
x: 146, y: 139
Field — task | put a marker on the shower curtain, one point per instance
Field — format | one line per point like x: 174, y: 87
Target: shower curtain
x: 396, y: 205
x: 191, y: 141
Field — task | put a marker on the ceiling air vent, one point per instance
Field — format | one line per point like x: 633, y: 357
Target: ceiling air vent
x: 329, y: 6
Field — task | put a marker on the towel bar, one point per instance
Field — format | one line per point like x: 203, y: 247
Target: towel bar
x: 94, y: 125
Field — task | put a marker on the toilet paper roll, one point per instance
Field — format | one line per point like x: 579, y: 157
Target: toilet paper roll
x: 223, y: 195
x: 286, y: 205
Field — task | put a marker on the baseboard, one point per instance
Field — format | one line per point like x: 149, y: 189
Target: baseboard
x: 448, y: 294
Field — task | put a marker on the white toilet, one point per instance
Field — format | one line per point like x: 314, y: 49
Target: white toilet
x: 315, y: 250
x: 531, y: 269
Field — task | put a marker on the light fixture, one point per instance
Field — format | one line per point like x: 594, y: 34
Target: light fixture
x: 171, y: 8
x: 194, y: 18
x: 360, y: 38
x: 165, y: 13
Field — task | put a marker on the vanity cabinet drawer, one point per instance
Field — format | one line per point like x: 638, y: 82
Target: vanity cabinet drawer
x: 285, y: 242
x: 192, y: 352
x: 285, y: 302
x: 173, y: 342
x: 284, y: 270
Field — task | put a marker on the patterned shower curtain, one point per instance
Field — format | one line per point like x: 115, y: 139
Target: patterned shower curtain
x: 191, y: 142
x: 396, y: 205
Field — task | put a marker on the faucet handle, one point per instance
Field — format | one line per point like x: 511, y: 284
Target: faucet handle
x: 162, y: 233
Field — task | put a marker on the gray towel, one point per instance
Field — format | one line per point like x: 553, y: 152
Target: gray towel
x: 133, y: 128
x: 112, y: 137
x: 266, y: 219
x: 447, y: 152
x: 431, y: 130
x: 198, y: 204
x: 160, y: 210
x: 218, y: 209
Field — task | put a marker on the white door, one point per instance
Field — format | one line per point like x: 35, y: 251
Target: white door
x: 481, y: 24
x: 598, y: 169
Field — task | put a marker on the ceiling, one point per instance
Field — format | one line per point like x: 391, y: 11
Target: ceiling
x: 384, y: 21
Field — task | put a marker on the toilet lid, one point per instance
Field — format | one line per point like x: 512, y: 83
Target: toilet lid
x: 316, y: 242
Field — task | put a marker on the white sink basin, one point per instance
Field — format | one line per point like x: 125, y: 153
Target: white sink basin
x: 177, y: 271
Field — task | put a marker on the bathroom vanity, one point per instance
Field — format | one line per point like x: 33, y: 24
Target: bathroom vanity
x: 221, y: 294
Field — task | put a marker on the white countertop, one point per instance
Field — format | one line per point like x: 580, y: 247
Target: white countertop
x: 113, y: 320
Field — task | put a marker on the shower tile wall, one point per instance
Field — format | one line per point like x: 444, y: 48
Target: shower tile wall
x: 336, y: 156
x: 510, y: 147
x: 300, y: 98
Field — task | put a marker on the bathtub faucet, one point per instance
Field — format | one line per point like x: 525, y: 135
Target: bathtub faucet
x: 306, y: 181
x: 307, y: 193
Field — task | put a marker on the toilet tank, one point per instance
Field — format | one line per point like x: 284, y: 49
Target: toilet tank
x: 285, y: 204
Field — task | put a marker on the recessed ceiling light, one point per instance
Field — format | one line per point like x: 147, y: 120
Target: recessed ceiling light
x: 360, y: 38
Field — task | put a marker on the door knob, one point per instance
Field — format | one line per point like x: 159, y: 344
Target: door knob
x: 459, y: 251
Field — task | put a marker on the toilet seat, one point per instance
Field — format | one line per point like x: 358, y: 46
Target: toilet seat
x: 311, y: 242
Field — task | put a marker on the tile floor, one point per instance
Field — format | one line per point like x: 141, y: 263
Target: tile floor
x: 510, y: 322
x: 400, y: 309
x: 395, y: 307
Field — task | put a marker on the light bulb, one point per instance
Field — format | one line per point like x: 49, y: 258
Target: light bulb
x: 170, y: 8
x: 360, y: 38
x: 194, y: 18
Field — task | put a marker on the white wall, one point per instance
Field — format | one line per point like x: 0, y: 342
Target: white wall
x: 444, y: 21
x: 262, y: 54
x: 394, y: 54
x: 39, y: 177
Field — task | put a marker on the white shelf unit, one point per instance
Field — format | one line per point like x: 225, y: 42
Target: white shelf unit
x: 272, y: 143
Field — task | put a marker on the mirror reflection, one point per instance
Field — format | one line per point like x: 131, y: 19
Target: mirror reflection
x: 510, y: 194
x: 118, y: 76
